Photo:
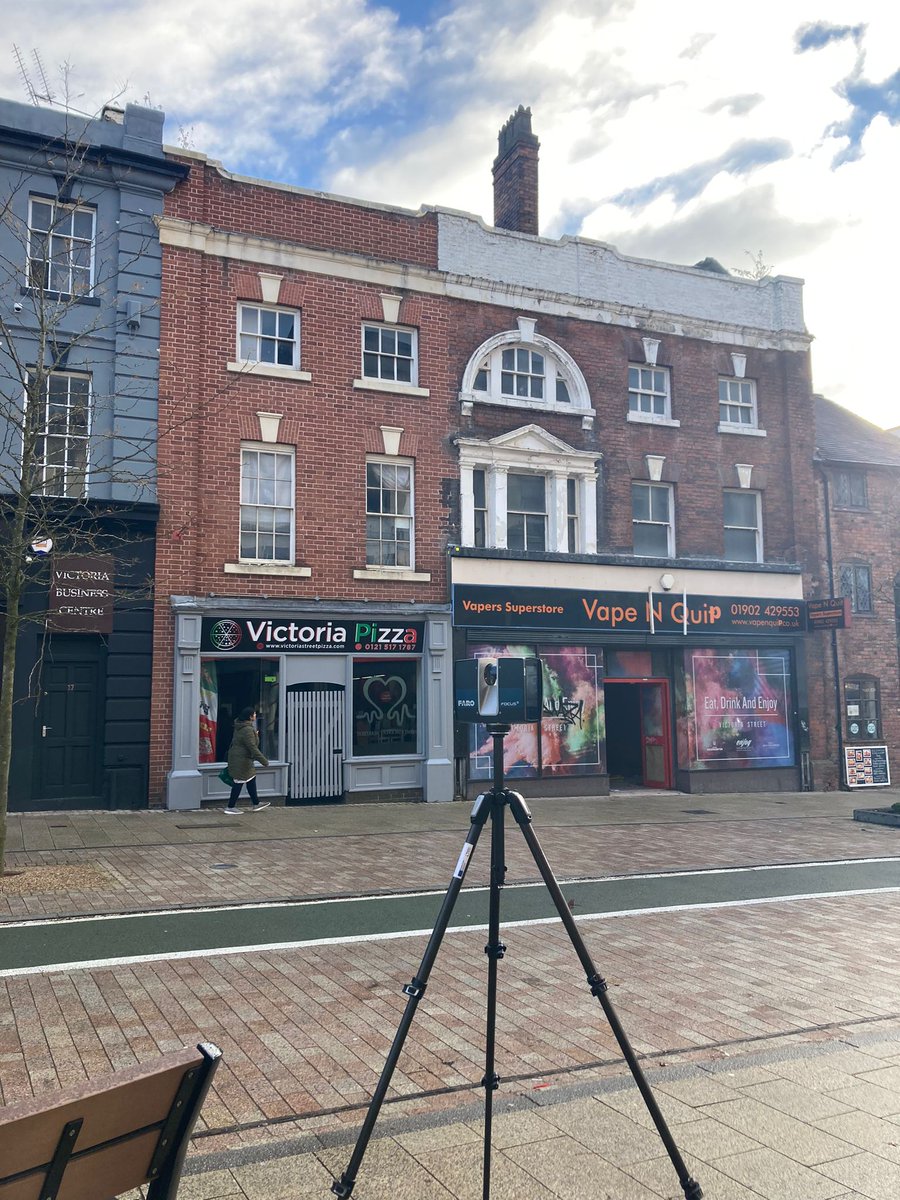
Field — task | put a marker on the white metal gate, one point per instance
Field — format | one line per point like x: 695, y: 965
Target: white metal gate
x: 315, y: 741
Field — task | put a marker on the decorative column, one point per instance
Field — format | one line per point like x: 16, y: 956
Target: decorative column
x: 466, y: 506
x: 559, y: 514
x: 496, y: 497
x: 437, y: 684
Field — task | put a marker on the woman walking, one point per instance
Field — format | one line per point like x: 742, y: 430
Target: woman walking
x: 243, y: 752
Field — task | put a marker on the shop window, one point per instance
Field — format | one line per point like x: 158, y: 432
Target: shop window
x: 226, y: 686
x: 735, y: 709
x: 856, y: 582
x: 389, y: 513
x: 849, y: 490
x: 385, y: 707
x: 526, y: 512
x: 267, y: 504
x: 268, y: 335
x: 862, y: 709
x: 652, y: 520
x: 389, y: 354
x: 743, y: 527
x: 569, y: 739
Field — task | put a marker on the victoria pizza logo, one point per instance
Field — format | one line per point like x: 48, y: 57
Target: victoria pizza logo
x: 225, y: 635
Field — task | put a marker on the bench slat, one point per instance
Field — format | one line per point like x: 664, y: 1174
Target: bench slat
x: 122, y: 1120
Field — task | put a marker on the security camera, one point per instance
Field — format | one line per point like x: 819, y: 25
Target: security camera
x: 17, y: 307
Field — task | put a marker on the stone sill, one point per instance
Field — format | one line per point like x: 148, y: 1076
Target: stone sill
x: 390, y: 385
x: 249, y: 568
x: 650, y: 419
x: 269, y: 370
x: 744, y: 430
x: 394, y: 573
x: 569, y: 410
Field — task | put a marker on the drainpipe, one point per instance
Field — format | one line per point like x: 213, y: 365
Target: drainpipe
x: 839, y: 728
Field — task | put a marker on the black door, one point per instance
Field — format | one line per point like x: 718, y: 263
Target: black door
x: 68, y: 748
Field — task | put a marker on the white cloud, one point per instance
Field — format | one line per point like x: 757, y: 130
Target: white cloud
x: 623, y: 92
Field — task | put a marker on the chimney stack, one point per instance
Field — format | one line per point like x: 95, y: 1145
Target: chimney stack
x: 516, y: 175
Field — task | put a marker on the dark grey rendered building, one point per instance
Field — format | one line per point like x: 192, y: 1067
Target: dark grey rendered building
x: 79, y: 295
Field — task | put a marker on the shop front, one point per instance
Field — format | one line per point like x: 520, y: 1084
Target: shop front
x: 350, y: 706
x: 694, y: 684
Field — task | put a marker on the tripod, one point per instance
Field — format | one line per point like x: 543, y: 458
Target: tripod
x: 493, y: 804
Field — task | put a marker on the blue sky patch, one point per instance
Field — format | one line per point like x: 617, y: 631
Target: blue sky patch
x: 739, y: 159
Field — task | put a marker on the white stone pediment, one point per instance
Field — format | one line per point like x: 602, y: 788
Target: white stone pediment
x: 533, y: 438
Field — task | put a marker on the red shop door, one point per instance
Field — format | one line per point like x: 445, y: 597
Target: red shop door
x: 656, y: 745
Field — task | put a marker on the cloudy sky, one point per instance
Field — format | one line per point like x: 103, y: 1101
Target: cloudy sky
x: 764, y: 134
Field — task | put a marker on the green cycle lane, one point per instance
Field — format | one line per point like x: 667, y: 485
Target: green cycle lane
x: 37, y: 945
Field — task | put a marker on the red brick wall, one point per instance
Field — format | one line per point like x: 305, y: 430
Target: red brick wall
x: 869, y: 647
x: 318, y: 221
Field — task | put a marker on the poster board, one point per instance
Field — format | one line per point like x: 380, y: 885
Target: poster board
x: 867, y: 766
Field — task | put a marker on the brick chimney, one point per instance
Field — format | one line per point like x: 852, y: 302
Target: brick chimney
x: 516, y: 175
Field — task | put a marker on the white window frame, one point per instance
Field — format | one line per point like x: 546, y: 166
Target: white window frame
x: 48, y: 238
x: 71, y: 475
x: 383, y: 327
x: 279, y: 311
x: 529, y: 450
x: 757, y: 528
x: 526, y: 513
x: 482, y: 381
x: 392, y: 461
x: 639, y: 392
x: 669, y: 525
x: 285, y: 452
x: 734, y: 384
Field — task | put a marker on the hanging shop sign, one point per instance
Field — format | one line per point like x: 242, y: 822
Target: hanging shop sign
x: 302, y: 635
x: 828, y: 614
x: 82, y: 593
x: 867, y: 766
x: 622, y: 612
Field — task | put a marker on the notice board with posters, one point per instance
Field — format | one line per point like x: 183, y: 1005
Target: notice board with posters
x: 867, y: 766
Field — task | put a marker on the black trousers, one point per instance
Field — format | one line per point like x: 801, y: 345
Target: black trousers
x: 236, y: 791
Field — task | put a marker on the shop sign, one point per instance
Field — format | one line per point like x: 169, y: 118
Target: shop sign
x: 622, y: 612
x: 302, y: 635
x: 828, y: 614
x: 82, y: 593
x: 867, y: 766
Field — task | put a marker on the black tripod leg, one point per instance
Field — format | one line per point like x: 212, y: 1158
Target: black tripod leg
x: 495, y: 950
x: 414, y: 991
x: 598, y: 986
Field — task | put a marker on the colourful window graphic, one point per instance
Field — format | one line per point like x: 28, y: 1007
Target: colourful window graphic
x: 738, y: 707
x: 571, y: 736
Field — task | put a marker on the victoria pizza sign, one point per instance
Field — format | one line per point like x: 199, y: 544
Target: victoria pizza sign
x: 292, y: 635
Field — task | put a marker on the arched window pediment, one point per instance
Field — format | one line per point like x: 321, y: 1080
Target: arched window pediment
x: 520, y: 368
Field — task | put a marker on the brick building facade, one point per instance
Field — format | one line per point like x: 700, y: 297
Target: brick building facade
x: 471, y: 438
x: 858, y: 477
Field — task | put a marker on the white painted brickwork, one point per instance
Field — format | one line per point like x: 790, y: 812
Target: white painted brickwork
x: 623, y: 290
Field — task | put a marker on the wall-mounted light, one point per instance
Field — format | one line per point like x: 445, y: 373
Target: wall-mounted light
x: 667, y: 582
x: 133, y: 315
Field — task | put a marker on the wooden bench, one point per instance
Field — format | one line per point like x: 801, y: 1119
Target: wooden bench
x: 106, y: 1137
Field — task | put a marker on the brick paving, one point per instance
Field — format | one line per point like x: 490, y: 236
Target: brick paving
x: 316, y: 862
x: 305, y: 1032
